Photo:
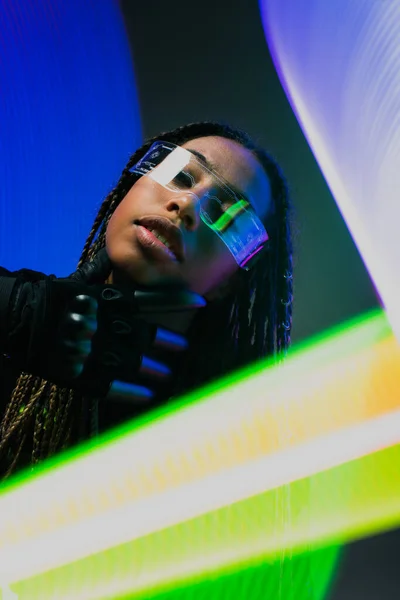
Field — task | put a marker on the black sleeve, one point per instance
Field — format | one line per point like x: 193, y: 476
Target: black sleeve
x: 9, y: 282
x: 24, y: 274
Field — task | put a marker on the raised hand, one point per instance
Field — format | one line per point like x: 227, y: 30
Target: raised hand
x: 94, y: 337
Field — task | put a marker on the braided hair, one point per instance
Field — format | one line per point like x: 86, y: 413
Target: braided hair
x: 252, y: 321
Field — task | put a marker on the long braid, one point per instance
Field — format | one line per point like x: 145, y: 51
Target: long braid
x: 12, y: 444
x: 62, y: 417
x: 13, y: 407
x: 39, y: 431
x: 16, y: 410
x: 21, y: 422
x: 254, y: 320
x: 283, y: 267
x: 97, y: 222
x: 52, y: 408
x: 68, y: 423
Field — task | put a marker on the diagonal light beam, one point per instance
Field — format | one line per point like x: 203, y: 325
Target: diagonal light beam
x: 345, y: 503
x: 342, y: 78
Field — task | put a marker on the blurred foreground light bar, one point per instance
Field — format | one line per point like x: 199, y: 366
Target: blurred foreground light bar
x: 339, y: 63
x: 357, y: 499
x: 331, y: 403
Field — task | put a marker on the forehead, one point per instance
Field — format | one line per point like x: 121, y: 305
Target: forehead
x: 238, y: 166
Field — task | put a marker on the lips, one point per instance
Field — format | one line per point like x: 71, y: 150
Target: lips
x: 169, y: 231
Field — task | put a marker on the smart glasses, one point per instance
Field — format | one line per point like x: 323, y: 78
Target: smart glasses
x: 230, y: 216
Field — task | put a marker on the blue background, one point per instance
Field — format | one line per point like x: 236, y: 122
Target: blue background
x: 69, y: 120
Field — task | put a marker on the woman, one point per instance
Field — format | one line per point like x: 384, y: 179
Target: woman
x: 199, y: 208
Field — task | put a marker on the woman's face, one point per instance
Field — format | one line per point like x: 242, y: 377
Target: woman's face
x: 206, y: 263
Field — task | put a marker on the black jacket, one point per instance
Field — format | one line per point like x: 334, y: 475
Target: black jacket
x: 8, y: 371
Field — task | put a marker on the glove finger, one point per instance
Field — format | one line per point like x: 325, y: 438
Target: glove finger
x: 169, y: 340
x: 78, y: 327
x: 71, y: 368
x: 75, y: 355
x: 78, y: 350
x: 95, y: 271
x: 129, y: 393
x: 84, y: 305
x: 153, y: 368
x: 115, y: 360
x: 77, y: 368
x: 168, y: 300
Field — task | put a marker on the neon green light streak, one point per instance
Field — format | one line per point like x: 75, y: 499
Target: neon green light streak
x: 357, y: 499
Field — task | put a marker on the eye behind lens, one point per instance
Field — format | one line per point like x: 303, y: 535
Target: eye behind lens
x: 184, y: 180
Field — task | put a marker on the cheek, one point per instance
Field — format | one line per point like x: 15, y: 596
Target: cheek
x: 222, y: 267
x: 122, y: 215
x: 211, y: 267
x: 116, y: 220
x: 115, y: 228
x: 120, y: 234
x: 121, y: 222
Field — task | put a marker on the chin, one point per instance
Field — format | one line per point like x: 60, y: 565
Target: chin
x: 127, y: 266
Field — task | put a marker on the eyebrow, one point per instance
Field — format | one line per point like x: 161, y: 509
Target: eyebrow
x: 207, y: 163
x: 212, y: 167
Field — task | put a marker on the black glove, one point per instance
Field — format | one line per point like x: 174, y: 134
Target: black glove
x: 80, y: 333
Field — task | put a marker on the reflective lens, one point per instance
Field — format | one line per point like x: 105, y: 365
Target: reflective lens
x: 230, y: 217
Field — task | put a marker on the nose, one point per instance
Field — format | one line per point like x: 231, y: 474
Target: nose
x: 187, y: 206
